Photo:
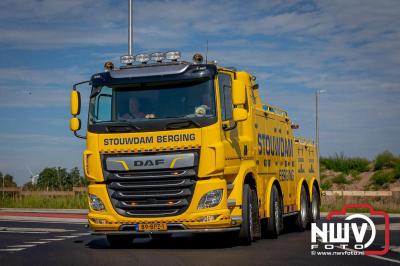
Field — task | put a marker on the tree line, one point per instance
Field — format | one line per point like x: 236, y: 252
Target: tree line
x: 50, y: 178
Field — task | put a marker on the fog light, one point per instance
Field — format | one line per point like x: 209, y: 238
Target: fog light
x: 208, y: 218
x: 210, y: 199
x: 96, y: 203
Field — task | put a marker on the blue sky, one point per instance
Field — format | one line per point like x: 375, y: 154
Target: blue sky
x: 349, y: 48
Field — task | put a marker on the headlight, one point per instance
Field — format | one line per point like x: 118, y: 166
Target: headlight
x: 96, y: 203
x: 210, y: 199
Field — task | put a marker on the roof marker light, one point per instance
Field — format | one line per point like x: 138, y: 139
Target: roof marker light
x: 142, y: 58
x: 127, y: 59
x: 158, y: 57
x: 173, y: 55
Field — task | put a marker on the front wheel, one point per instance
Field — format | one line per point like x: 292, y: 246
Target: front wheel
x: 250, y: 228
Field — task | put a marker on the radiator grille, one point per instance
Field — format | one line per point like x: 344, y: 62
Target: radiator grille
x: 155, y: 193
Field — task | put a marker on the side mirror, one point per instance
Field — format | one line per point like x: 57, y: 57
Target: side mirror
x: 238, y: 92
x: 75, y: 124
x: 75, y: 102
x: 239, y: 114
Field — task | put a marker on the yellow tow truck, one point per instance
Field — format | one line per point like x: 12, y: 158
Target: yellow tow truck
x: 175, y: 146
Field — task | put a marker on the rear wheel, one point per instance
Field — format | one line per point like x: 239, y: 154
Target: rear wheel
x: 250, y: 228
x: 315, y: 206
x: 302, y: 216
x: 120, y: 241
x: 275, y: 221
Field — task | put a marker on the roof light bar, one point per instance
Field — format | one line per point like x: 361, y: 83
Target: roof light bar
x: 157, y: 57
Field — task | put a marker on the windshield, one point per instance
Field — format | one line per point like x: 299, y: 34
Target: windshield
x: 141, y: 102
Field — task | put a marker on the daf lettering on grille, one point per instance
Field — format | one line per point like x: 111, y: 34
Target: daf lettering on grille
x: 150, y: 162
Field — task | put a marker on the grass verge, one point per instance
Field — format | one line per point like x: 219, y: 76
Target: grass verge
x: 61, y: 202
x: 387, y: 204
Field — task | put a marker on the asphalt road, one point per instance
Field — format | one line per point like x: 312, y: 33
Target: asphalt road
x: 44, y: 243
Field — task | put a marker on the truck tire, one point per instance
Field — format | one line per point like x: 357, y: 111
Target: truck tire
x: 302, y: 216
x: 315, y: 206
x: 250, y: 228
x: 275, y: 221
x: 120, y: 241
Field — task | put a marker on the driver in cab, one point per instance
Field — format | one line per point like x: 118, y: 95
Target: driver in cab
x: 134, y: 110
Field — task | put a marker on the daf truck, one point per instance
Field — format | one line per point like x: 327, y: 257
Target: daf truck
x: 189, y: 147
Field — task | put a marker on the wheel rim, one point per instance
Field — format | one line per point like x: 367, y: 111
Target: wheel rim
x: 251, y: 219
x: 303, y: 211
x: 315, y: 209
x: 276, y: 216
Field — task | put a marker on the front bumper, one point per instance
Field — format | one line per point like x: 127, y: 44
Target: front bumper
x: 173, y: 231
x: 218, y: 218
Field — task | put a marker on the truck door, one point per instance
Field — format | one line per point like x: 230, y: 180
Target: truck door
x: 229, y: 134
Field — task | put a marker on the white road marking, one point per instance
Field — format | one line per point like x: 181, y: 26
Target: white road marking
x: 21, y: 246
x: 372, y: 256
x: 67, y: 236
x: 52, y: 239
x: 23, y: 232
x: 12, y: 249
x: 37, y: 242
x: 394, y: 248
x: 393, y: 227
x: 81, y: 234
x: 36, y: 229
x: 44, y: 219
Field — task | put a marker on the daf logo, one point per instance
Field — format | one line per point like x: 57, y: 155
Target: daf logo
x: 148, y: 162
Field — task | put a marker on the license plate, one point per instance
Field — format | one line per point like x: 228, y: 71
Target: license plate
x: 152, y: 227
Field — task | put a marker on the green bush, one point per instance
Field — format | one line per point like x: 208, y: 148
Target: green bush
x: 385, y: 159
x: 396, y: 171
x: 340, y: 179
x: 326, y: 185
x: 382, y: 178
x: 341, y: 163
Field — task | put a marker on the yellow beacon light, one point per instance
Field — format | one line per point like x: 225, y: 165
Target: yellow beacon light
x: 197, y: 58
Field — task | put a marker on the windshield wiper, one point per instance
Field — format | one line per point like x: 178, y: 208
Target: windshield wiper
x: 121, y: 126
x: 182, y: 123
